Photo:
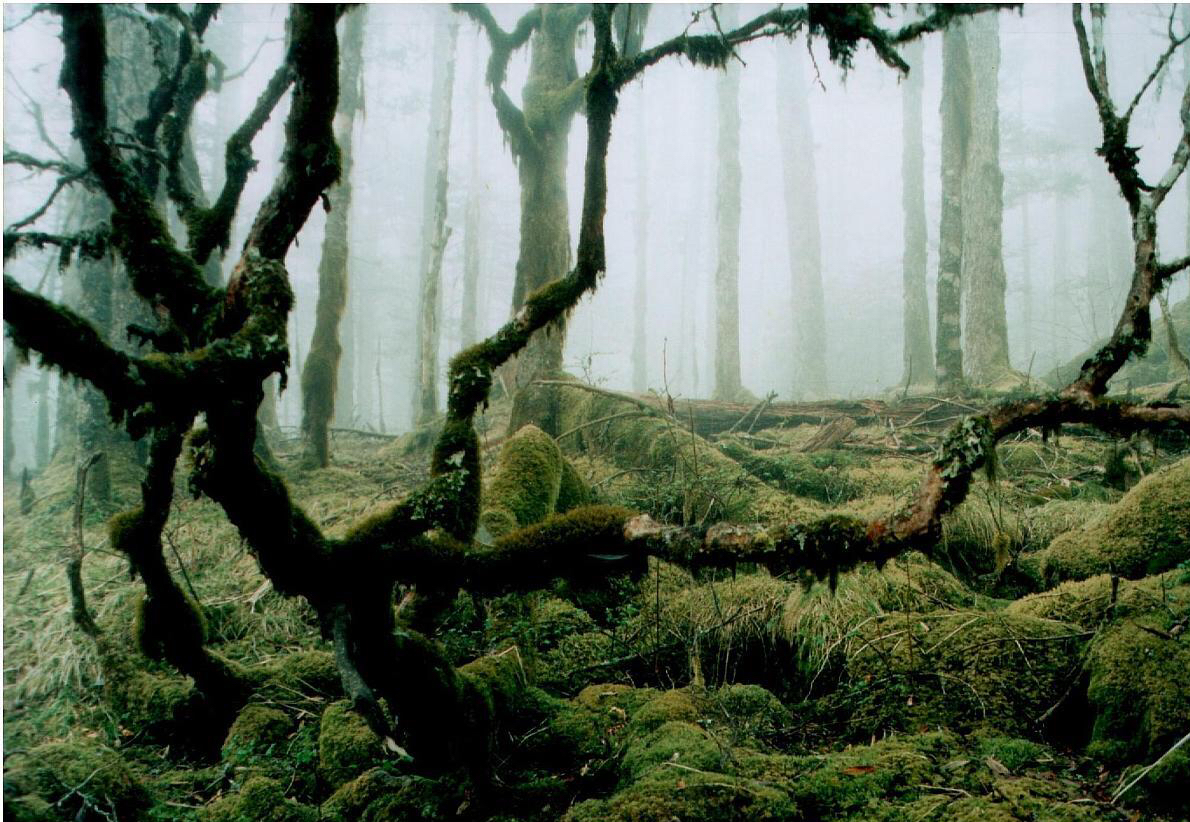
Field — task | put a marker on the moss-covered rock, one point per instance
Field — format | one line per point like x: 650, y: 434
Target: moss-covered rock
x: 1088, y: 602
x: 1139, y: 693
x: 257, y: 732
x: 667, y: 706
x: 1146, y: 532
x: 956, y: 670
x: 346, y: 745
x: 379, y: 796
x: 72, y: 780
x: 310, y: 672
x: 259, y: 800
x: 754, y: 715
x: 820, y: 476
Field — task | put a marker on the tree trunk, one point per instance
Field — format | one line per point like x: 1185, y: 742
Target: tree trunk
x: 320, y: 373
x: 956, y: 91
x: 41, y: 441
x: 435, y: 232
x: 983, y: 209
x: 640, y: 342
x: 727, y: 272
x: 550, y: 98
x: 469, y: 321
x: 801, y: 208
x: 918, y: 355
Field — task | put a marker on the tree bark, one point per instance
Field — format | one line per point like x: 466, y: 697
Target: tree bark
x: 727, y: 270
x: 983, y: 210
x: 804, y: 235
x: 320, y: 372
x: 435, y: 232
x: 956, y: 96
x: 918, y: 353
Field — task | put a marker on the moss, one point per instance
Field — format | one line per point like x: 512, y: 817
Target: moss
x: 1147, y: 532
x: 957, y: 670
x: 1013, y: 753
x: 346, y: 745
x: 820, y: 624
x: 379, y: 796
x: 674, y: 741
x: 669, y: 706
x: 76, y: 779
x: 154, y: 627
x: 309, y: 672
x: 526, y: 480
x: 1138, y: 692
x: 850, y: 781
x: 573, y: 490
x: 670, y: 792
x: 258, y: 731
x: 1088, y: 602
x: 259, y: 800
x: 593, y: 723
x: 575, y: 662
x: 753, y: 713
x: 814, y: 476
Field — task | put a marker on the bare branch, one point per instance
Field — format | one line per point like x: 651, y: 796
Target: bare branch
x: 1162, y: 61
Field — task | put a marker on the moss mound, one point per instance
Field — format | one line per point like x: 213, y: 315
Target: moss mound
x: 346, y: 745
x: 1088, y: 602
x: 818, y: 622
x: 1146, y: 532
x: 257, y: 732
x: 379, y: 796
x: 958, y: 670
x: 524, y: 487
x: 259, y: 800
x: 71, y: 780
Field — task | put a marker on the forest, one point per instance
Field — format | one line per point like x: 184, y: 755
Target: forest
x: 596, y: 412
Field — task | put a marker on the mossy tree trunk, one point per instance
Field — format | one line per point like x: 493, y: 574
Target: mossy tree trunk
x: 320, y: 372
x: 435, y: 233
x: 728, y: 385
x: 956, y: 104
x: 803, y: 233
x: 918, y: 353
x: 983, y: 210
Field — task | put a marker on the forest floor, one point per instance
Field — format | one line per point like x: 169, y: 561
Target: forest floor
x: 1033, y: 667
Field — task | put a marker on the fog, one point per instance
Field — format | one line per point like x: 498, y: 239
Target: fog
x: 1063, y: 217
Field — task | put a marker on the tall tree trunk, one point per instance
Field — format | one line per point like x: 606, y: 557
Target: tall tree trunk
x: 469, y: 320
x: 435, y: 232
x: 803, y: 232
x: 640, y: 342
x: 550, y: 97
x: 956, y: 96
x: 983, y: 209
x: 41, y: 440
x: 918, y: 353
x: 320, y: 374
x: 727, y: 271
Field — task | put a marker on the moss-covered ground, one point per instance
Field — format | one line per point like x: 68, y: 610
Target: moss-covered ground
x: 1028, y: 668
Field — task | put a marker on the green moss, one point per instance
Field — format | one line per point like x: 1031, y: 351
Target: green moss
x: 573, y: 490
x: 1138, y: 692
x: 1014, y: 754
x: 154, y: 627
x: 76, y: 780
x: 815, y: 476
x: 310, y: 672
x: 259, y: 800
x: 1147, y: 532
x: 526, y: 480
x: 346, y: 745
x: 379, y: 796
x: 957, y: 670
x: 1088, y: 602
x: 575, y: 661
x: 258, y: 731
x: 753, y: 713
x: 669, y: 706
x: 675, y: 741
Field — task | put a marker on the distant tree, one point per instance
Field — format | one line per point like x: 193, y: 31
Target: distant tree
x: 435, y: 232
x: 320, y: 374
x: 986, y: 348
x: 917, y: 351
x: 956, y: 118
x: 801, y: 217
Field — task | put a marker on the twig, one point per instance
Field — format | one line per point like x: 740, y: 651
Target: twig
x: 1145, y: 772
